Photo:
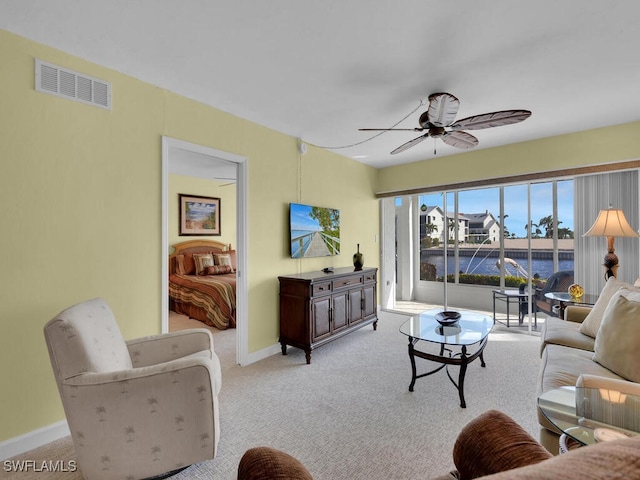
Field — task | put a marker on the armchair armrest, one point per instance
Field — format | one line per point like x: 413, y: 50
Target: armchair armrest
x: 606, y: 383
x: 608, y: 402
x: 493, y: 443
x: 164, y: 347
x: 576, y: 313
x: 119, y: 376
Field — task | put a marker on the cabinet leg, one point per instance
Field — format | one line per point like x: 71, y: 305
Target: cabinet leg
x: 375, y: 325
x: 283, y: 346
x: 307, y: 354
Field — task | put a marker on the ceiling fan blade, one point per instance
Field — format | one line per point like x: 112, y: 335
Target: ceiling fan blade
x: 410, y: 144
x: 443, y: 108
x: 460, y: 139
x: 493, y: 119
x: 416, y: 129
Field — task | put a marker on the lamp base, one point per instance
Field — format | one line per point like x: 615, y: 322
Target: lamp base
x: 610, y: 265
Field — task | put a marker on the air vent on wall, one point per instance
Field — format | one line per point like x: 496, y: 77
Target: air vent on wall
x: 73, y: 85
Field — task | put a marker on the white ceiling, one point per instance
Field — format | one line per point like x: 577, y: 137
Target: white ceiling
x: 321, y: 69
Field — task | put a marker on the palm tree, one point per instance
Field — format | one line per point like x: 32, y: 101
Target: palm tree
x: 179, y: 422
x: 153, y: 401
x: 201, y: 390
x: 534, y: 233
x: 155, y: 450
x: 101, y: 411
x: 547, y: 224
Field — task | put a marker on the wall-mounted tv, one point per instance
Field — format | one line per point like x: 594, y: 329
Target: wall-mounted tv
x: 315, y: 231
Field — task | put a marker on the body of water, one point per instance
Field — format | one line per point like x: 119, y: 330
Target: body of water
x: 487, y: 266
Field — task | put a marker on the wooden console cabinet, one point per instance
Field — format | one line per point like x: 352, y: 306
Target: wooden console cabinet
x: 318, y: 307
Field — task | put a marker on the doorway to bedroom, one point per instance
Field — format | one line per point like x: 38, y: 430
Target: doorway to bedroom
x: 195, y: 170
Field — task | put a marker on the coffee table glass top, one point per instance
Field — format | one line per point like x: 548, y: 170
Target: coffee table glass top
x: 586, y: 413
x: 472, y: 327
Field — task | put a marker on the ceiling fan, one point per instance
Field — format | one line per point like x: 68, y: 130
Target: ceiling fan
x: 439, y: 122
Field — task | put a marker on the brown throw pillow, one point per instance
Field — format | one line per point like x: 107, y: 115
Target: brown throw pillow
x: 216, y: 270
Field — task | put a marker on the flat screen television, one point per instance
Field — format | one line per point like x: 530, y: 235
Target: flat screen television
x: 314, y: 231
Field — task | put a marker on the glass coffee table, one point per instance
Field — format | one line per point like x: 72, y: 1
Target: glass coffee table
x: 452, y: 343
x: 589, y: 415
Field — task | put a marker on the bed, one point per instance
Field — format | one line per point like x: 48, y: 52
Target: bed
x: 202, y: 282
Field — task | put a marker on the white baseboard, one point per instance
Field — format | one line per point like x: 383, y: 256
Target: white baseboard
x: 30, y: 440
x: 264, y: 353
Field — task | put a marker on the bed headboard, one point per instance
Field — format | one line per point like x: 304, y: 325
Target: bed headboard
x: 196, y: 246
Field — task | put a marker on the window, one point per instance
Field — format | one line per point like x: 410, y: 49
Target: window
x: 487, y: 238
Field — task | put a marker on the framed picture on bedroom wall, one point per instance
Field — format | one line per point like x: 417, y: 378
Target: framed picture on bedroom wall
x: 199, y: 215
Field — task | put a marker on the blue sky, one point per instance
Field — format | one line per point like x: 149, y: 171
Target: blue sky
x: 300, y: 219
x: 515, y: 203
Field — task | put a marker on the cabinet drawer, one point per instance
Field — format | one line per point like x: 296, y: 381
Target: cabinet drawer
x: 320, y: 288
x: 347, y: 281
x: 370, y: 277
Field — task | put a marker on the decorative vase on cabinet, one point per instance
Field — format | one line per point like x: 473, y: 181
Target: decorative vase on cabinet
x: 358, y: 259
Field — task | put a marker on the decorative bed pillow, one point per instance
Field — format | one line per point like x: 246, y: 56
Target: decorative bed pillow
x: 217, y: 270
x: 180, y: 265
x: 592, y: 322
x: 189, y: 264
x: 617, y: 346
x: 223, y: 259
x: 202, y: 260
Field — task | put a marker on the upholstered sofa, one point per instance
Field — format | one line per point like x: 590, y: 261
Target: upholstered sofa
x: 599, y: 342
x: 492, y: 446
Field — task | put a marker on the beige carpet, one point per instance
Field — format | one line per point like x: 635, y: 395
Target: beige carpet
x: 349, y: 415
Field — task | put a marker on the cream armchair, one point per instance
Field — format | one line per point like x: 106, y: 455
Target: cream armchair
x: 138, y: 408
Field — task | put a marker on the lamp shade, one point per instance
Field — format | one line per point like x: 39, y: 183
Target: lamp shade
x: 611, y: 223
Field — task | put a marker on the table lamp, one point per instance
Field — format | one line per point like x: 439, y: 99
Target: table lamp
x: 611, y: 223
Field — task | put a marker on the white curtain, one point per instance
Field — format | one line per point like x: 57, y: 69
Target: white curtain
x: 592, y: 194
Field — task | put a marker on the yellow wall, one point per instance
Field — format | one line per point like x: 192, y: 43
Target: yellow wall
x: 179, y: 184
x: 593, y: 147
x: 80, y: 209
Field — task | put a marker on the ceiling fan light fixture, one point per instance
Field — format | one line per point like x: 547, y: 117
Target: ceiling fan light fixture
x: 440, y: 122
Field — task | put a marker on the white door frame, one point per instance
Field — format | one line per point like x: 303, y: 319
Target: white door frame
x: 242, y: 304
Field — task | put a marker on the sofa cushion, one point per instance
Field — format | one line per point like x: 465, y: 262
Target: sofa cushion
x: 617, y: 459
x: 561, y: 366
x: 617, y: 345
x: 592, y: 322
x: 561, y: 332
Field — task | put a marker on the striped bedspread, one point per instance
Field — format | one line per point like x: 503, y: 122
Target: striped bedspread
x: 214, y: 294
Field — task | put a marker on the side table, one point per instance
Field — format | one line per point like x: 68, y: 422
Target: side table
x: 565, y: 299
x: 508, y: 296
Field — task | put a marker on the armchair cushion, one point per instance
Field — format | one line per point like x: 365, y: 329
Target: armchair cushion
x: 86, y: 338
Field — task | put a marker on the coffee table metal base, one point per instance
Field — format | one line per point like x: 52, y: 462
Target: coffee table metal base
x: 462, y: 359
